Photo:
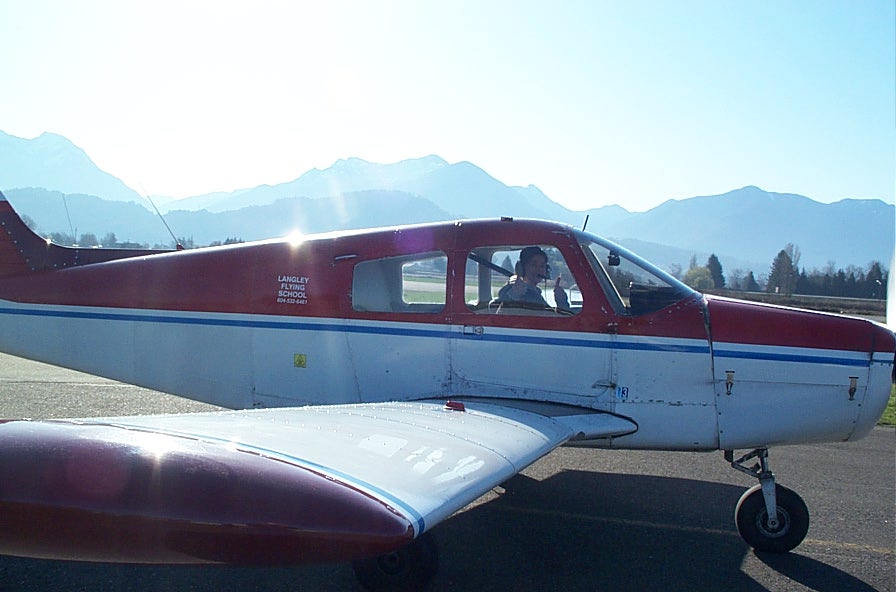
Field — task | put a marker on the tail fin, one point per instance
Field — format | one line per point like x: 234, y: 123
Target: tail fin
x: 17, y: 241
x: 22, y: 251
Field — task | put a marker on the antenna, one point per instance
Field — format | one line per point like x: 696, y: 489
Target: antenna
x: 177, y: 244
x: 70, y: 227
x: 585, y: 225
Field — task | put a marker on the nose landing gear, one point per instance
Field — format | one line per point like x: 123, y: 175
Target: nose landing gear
x: 769, y: 517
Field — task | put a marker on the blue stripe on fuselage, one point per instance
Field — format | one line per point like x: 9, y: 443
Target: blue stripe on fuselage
x: 765, y: 353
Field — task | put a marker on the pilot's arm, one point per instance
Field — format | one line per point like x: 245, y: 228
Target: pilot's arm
x: 560, y: 296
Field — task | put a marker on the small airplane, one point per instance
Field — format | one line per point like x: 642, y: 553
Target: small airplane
x: 377, y: 381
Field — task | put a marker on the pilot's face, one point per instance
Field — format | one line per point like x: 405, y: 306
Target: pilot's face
x: 536, y: 269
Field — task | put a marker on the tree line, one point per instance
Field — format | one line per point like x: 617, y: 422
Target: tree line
x: 110, y: 241
x: 787, y: 278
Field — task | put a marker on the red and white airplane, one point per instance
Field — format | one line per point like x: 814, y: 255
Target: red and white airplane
x: 379, y: 385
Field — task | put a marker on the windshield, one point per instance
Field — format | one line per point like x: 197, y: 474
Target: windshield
x: 633, y: 285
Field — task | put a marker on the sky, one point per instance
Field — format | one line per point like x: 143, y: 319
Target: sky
x: 594, y: 102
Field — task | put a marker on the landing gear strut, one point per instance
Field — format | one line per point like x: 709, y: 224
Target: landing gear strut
x: 409, y: 569
x: 769, y: 517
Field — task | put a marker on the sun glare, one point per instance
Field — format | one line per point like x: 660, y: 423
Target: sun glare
x: 157, y: 445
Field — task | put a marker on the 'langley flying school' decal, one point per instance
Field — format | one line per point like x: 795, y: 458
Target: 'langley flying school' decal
x: 292, y: 289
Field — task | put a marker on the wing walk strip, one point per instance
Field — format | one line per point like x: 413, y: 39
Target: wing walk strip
x: 576, y: 517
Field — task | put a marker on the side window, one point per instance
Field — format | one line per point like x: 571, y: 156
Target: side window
x: 409, y: 283
x: 520, y: 280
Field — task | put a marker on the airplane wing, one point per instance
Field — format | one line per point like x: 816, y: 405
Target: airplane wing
x: 289, y: 485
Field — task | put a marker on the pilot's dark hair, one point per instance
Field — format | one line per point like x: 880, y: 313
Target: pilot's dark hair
x: 530, y: 252
x: 527, y: 254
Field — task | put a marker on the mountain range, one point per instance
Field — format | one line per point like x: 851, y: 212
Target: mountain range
x: 56, y: 184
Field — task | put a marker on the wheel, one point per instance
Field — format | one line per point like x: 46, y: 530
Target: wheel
x: 752, y: 520
x: 409, y: 569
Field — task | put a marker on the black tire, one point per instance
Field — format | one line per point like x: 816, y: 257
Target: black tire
x: 752, y: 520
x: 410, y: 569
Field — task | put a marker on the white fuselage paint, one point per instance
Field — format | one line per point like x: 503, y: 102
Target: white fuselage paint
x: 669, y: 387
x: 784, y: 394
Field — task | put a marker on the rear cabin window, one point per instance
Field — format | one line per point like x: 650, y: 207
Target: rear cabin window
x: 408, y: 284
x: 490, y: 269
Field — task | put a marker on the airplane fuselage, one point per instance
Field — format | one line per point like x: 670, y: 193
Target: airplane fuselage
x: 407, y: 314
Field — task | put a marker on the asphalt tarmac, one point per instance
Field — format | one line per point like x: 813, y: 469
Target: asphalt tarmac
x: 575, y: 520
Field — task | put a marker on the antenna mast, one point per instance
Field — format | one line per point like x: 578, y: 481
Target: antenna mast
x: 177, y: 244
x: 70, y: 227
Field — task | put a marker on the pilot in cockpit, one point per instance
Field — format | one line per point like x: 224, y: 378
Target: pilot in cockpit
x: 522, y: 287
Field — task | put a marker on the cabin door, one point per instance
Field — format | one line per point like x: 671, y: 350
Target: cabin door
x: 532, y: 346
x: 514, y: 361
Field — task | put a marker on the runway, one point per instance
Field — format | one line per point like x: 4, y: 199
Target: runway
x: 575, y: 520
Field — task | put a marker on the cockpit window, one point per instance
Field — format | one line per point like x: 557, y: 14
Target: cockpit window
x: 520, y: 280
x: 633, y: 285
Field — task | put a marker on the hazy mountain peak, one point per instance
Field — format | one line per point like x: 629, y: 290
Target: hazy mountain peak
x: 355, y: 164
x: 349, y: 170
x: 50, y: 137
x: 54, y: 162
x: 352, y: 163
x: 753, y: 192
x: 43, y: 145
